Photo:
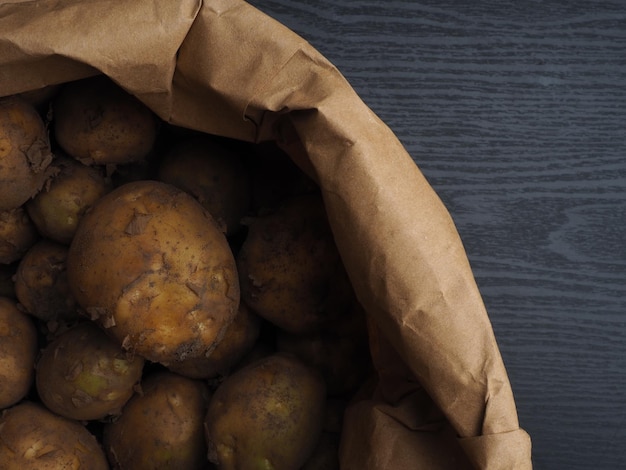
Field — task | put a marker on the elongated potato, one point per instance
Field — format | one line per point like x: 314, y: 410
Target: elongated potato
x: 150, y: 264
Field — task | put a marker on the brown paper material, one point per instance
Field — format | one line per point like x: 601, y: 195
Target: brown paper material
x: 442, y: 398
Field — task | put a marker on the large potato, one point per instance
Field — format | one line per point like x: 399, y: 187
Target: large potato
x: 34, y: 438
x: 268, y: 415
x: 150, y: 264
x: 18, y: 350
x: 25, y: 152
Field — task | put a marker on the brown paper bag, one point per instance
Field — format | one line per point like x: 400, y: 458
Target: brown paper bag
x: 441, y: 398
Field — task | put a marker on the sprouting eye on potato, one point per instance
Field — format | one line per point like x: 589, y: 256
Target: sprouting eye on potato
x: 169, y: 299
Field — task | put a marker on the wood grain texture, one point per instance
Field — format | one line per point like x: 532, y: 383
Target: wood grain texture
x: 516, y: 113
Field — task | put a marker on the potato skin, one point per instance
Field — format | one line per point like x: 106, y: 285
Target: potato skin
x: 289, y: 268
x: 162, y: 427
x: 239, y: 339
x: 57, y: 208
x: 149, y: 263
x: 85, y: 375
x: 18, y: 350
x: 25, y: 152
x: 17, y: 234
x: 34, y: 438
x: 98, y: 122
x: 268, y: 415
x: 41, y: 284
x: 211, y: 170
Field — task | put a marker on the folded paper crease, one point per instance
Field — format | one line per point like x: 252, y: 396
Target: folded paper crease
x: 441, y: 397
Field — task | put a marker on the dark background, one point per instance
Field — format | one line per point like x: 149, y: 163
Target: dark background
x: 516, y: 114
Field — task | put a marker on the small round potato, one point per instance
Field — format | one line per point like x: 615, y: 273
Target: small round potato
x: 18, y: 350
x: 34, y: 438
x: 41, y: 284
x: 85, y: 375
x: 98, y: 122
x: 268, y: 415
x: 150, y: 264
x: 58, y: 207
x: 289, y: 267
x: 17, y: 234
x: 160, y: 428
x: 25, y: 152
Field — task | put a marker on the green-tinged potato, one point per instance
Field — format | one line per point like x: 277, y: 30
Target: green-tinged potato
x: 150, y: 264
x: 211, y: 170
x: 17, y: 234
x: 161, y: 427
x: 239, y: 339
x: 25, y: 152
x: 34, y: 438
x: 289, y: 268
x: 85, y: 375
x: 99, y: 123
x: 41, y: 284
x: 58, y: 207
x: 18, y: 350
x: 268, y: 415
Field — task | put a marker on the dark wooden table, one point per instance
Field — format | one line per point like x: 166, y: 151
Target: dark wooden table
x: 516, y: 113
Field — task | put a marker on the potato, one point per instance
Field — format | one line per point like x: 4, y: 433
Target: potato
x: 25, y: 152
x: 58, y: 207
x: 17, y: 234
x: 18, y: 350
x: 97, y: 122
x: 85, y: 375
x: 41, y: 284
x: 239, y: 339
x: 34, y: 438
x: 289, y: 268
x: 268, y: 415
x: 150, y: 264
x: 211, y: 170
x: 162, y: 427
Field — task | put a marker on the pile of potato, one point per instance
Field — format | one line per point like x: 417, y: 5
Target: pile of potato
x: 168, y: 298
